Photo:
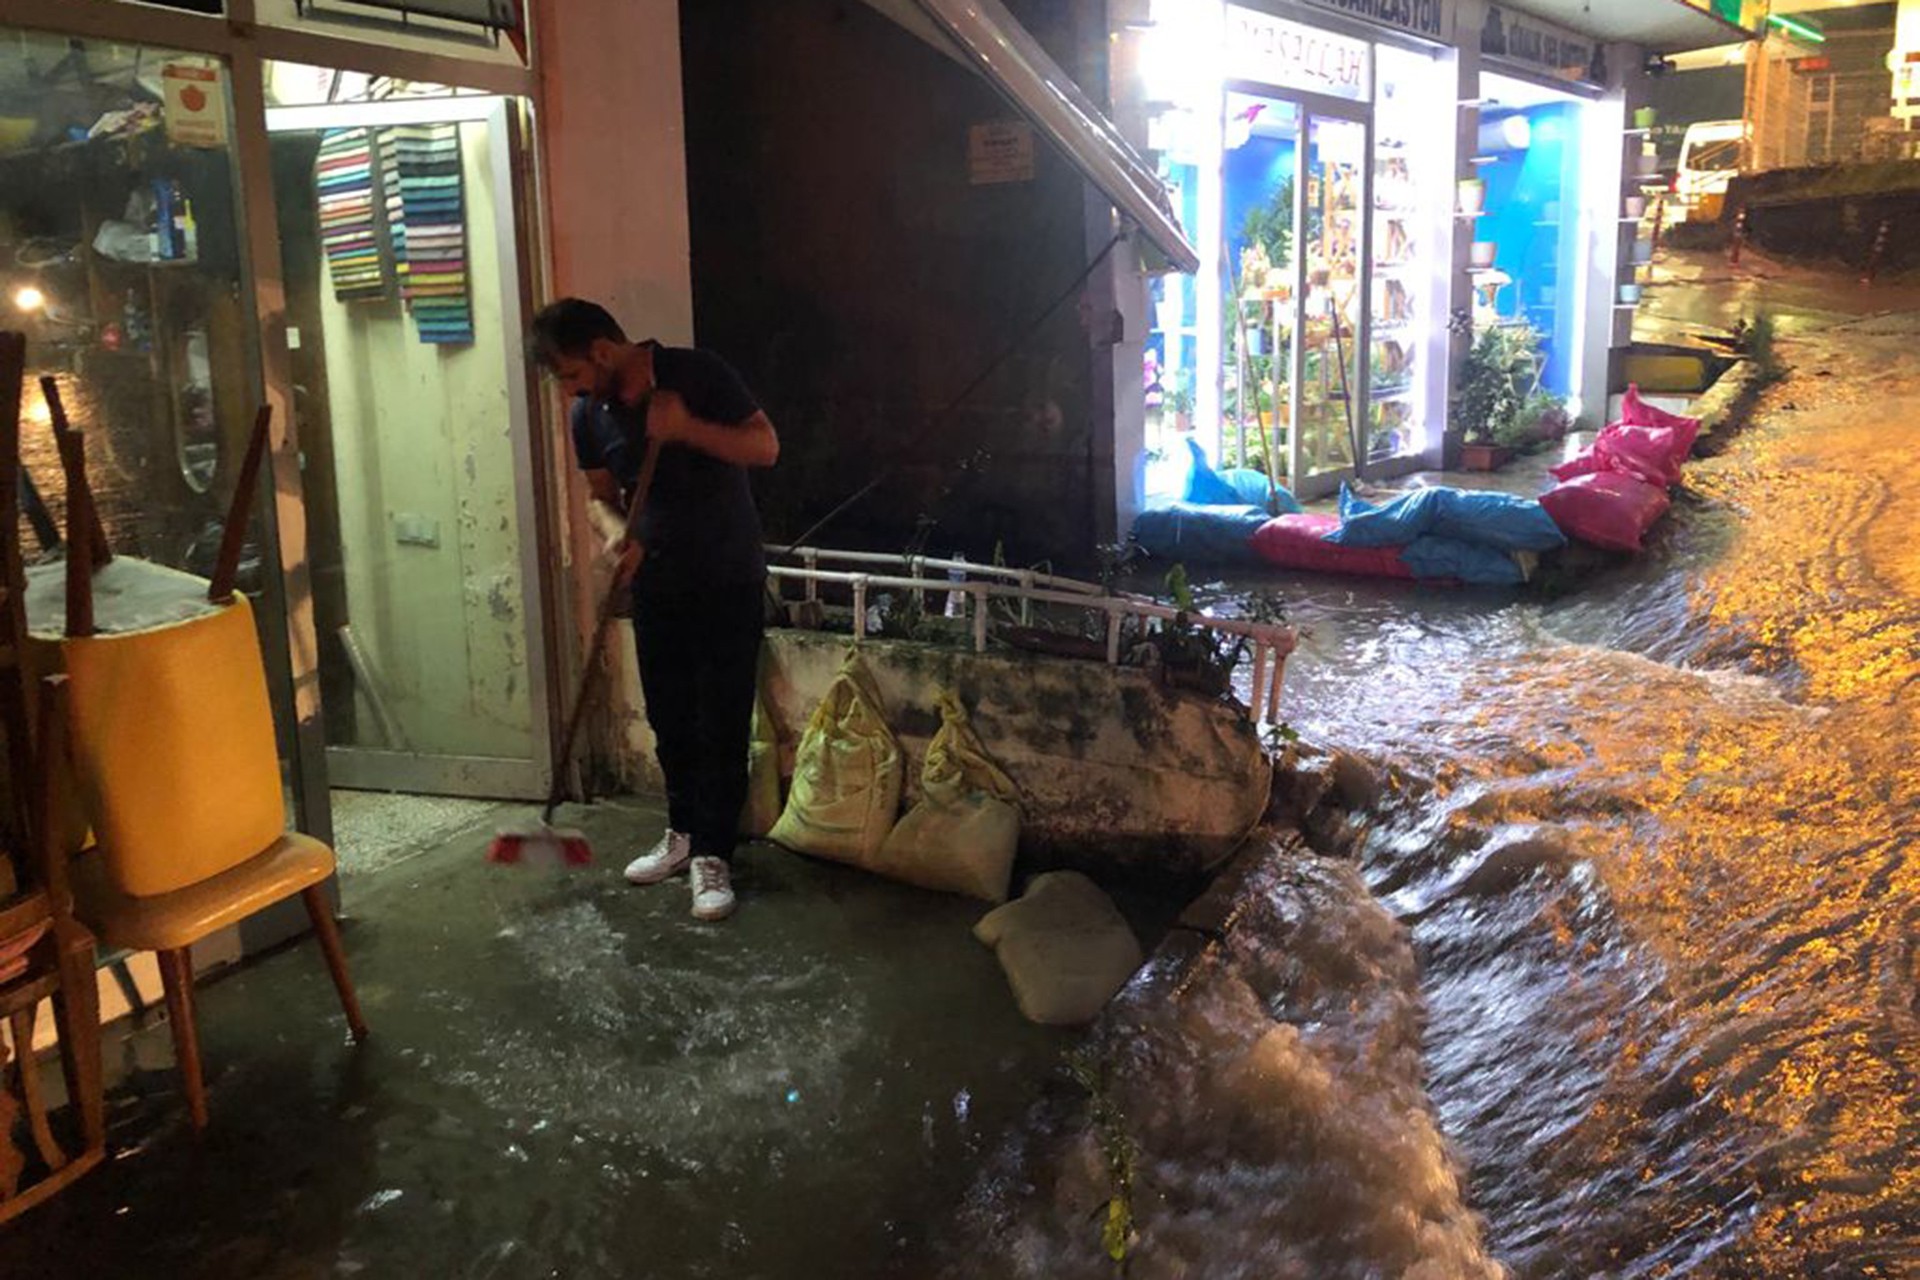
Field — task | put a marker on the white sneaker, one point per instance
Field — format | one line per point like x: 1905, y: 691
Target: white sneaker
x: 663, y: 860
x: 712, y: 889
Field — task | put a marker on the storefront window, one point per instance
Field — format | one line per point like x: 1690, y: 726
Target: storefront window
x: 1312, y: 344
x: 1531, y: 236
x: 120, y: 258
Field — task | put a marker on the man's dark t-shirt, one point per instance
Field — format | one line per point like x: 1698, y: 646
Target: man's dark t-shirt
x: 700, y: 528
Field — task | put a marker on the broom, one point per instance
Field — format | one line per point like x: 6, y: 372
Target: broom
x: 540, y: 843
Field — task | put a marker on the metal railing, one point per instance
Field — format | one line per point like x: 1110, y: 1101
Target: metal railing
x: 1270, y: 642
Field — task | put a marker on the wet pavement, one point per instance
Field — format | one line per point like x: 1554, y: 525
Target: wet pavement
x: 568, y: 1077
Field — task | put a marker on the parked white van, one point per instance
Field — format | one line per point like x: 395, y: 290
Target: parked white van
x: 1710, y: 155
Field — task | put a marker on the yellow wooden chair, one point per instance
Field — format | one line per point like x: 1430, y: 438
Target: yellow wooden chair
x: 175, y: 760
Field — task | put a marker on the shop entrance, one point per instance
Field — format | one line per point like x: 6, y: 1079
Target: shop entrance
x: 404, y: 310
x: 1314, y: 345
x: 1293, y: 386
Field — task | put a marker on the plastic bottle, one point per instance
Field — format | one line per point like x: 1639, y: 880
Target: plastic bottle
x: 178, y: 235
x: 164, y: 248
x: 957, y: 600
x: 189, y: 233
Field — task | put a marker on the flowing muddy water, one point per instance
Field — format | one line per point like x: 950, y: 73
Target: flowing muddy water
x: 1630, y: 919
x: 1655, y: 850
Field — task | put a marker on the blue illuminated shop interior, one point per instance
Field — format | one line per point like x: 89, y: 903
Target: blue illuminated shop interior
x: 1529, y: 155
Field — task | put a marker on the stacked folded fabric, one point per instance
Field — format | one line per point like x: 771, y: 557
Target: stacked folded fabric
x: 349, y: 236
x: 430, y: 235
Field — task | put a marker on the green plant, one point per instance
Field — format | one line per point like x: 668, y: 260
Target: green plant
x: 1498, y: 398
x: 1270, y: 226
x: 1756, y: 340
x: 1542, y: 416
x: 1116, y: 1149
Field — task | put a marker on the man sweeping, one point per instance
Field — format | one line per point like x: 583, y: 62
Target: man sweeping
x: 698, y: 588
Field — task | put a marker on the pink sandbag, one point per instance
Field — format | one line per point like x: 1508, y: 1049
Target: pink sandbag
x: 1606, y: 509
x: 1651, y: 453
x: 1580, y: 464
x: 1635, y: 412
x: 1296, y: 542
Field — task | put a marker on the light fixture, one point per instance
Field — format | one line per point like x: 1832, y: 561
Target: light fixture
x: 1517, y: 132
x: 1797, y: 28
x: 29, y: 298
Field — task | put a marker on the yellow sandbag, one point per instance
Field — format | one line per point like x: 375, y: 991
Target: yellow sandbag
x: 846, y: 775
x: 1065, y: 948
x: 763, y: 775
x: 960, y: 837
x: 173, y: 744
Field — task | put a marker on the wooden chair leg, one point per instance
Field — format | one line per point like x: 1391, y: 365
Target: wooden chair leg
x: 22, y: 1023
x: 76, y: 1013
x: 176, y: 975
x: 328, y: 933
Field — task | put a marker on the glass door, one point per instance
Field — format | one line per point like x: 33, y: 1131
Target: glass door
x: 1261, y: 167
x: 1330, y: 391
x: 404, y: 306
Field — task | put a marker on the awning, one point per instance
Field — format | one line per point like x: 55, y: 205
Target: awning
x: 1659, y: 26
x: 982, y: 35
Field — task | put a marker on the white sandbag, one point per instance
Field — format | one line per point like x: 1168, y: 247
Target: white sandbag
x: 1064, y: 946
x: 846, y: 775
x: 960, y: 836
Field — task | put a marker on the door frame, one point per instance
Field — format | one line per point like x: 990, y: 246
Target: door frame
x: 1359, y: 399
x: 362, y: 768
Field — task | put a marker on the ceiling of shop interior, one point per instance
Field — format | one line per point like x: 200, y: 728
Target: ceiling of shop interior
x: 1663, y: 26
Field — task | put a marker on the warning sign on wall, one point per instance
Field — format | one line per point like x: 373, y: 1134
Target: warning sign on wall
x: 1000, y: 151
x: 195, y: 107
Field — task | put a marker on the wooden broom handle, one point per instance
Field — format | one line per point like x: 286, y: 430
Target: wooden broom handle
x: 240, y: 511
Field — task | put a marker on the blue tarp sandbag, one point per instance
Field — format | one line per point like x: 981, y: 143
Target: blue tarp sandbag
x: 1251, y: 486
x: 1432, y: 556
x: 1199, y: 534
x: 1205, y: 487
x: 1498, y: 520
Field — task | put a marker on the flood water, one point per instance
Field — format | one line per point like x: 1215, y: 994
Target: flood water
x: 1613, y: 970
x: 1654, y: 848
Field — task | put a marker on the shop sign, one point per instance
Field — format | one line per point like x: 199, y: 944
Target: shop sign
x: 1808, y: 66
x: 194, y: 105
x: 1000, y: 151
x: 1526, y: 41
x: 1429, y: 19
x: 1270, y: 50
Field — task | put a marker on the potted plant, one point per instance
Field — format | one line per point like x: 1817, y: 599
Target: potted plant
x: 1497, y: 383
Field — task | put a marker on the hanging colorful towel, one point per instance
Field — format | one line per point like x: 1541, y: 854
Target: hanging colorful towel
x: 428, y: 213
x: 351, y: 235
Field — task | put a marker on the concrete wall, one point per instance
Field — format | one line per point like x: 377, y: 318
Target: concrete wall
x: 614, y: 187
x: 421, y: 448
x: 843, y: 259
